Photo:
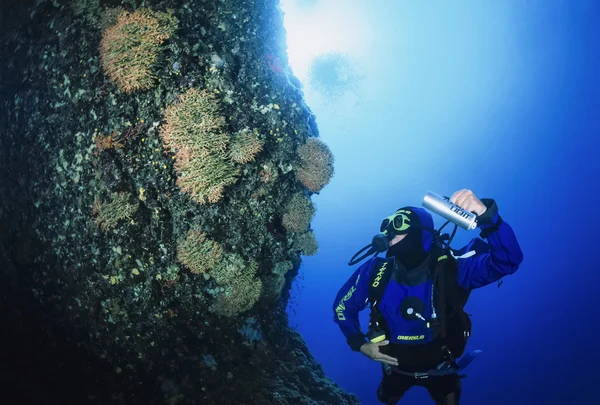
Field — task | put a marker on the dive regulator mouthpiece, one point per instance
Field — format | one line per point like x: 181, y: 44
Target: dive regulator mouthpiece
x: 451, y: 212
x: 380, y: 243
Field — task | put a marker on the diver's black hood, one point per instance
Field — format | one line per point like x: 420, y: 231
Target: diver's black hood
x: 409, y: 251
x: 414, y: 248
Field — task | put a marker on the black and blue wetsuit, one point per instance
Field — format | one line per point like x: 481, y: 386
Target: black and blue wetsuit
x: 415, y: 346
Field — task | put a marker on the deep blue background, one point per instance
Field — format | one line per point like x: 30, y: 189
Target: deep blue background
x: 502, y: 97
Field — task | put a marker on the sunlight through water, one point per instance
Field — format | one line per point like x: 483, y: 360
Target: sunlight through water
x: 317, y: 28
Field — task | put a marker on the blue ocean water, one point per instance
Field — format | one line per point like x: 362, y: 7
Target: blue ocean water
x: 500, y: 97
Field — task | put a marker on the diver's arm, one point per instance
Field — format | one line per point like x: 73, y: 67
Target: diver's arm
x: 350, y: 300
x: 502, y: 254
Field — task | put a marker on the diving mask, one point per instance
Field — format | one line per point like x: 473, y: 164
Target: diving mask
x: 399, y: 223
x: 396, y: 224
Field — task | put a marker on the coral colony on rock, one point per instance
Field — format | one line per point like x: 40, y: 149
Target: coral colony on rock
x: 157, y: 163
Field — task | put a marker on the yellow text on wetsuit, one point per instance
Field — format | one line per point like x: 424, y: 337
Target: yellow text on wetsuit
x: 419, y: 337
x: 341, y: 306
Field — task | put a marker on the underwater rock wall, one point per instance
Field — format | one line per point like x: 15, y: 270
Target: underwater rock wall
x: 156, y: 166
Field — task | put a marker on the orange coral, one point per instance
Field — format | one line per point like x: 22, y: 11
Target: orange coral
x: 198, y: 253
x: 195, y: 131
x: 129, y: 49
x: 112, y: 141
x: 195, y: 123
x: 316, y: 164
x: 245, y: 146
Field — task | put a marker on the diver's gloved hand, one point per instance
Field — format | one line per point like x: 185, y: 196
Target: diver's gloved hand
x: 371, y: 350
x: 467, y: 200
x: 486, y: 209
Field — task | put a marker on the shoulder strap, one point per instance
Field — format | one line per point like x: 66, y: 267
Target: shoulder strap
x: 456, y: 296
x: 440, y: 278
x: 451, y: 299
x: 381, y: 272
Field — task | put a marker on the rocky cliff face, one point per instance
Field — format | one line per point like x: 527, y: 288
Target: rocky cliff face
x: 156, y: 166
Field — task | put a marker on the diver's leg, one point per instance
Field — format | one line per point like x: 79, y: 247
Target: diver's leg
x: 393, y: 387
x: 444, y: 390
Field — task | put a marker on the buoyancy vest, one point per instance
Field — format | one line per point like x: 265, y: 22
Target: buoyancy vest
x: 449, y: 326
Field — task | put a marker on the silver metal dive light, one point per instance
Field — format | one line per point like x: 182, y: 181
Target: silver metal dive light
x: 451, y: 212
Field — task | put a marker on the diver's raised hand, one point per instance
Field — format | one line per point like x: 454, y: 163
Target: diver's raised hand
x: 371, y: 350
x: 467, y: 200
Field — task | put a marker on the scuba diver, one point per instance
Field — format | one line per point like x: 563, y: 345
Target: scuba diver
x: 418, y: 328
